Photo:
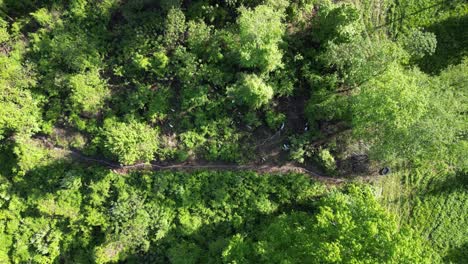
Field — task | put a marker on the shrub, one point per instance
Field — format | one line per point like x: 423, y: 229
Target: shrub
x: 4, y: 35
x: 327, y: 160
x: 274, y: 119
x: 419, y: 43
x: 88, y: 92
x: 251, y: 91
x: 130, y: 142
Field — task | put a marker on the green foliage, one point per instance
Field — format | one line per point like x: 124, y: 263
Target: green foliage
x: 173, y: 216
x: 299, y: 149
x: 347, y: 228
x: 337, y: 23
x: 251, y: 91
x: 175, y: 26
x: 203, y: 216
x: 129, y: 142
x: 420, y: 44
x: 409, y: 14
x: 170, y: 4
x: 260, y: 33
x: 43, y: 17
x: 214, y: 141
x: 29, y: 154
x: 356, y: 63
x: 327, y: 159
x: 401, y: 100
x: 4, y: 35
x: 88, y: 92
x: 25, y: 121
x: 69, y: 50
x: 446, y: 19
x: 274, y: 119
x: 362, y: 59
x: 213, y: 82
x: 326, y: 103
x: 198, y: 35
x: 434, y: 204
x: 19, y: 111
x: 409, y: 123
x: 446, y: 229
x: 159, y: 62
x: 40, y: 235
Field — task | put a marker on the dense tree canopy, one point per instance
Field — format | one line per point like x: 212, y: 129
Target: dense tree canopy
x: 94, y: 215
x: 95, y: 96
x: 348, y: 228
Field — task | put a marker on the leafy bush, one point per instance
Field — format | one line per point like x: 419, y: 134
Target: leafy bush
x: 19, y: 111
x: 420, y: 44
x: 175, y: 26
x: 275, y: 119
x: 299, y: 150
x: 337, y: 23
x: 4, y: 35
x: 251, y: 91
x: 88, y: 92
x: 327, y: 160
x: 129, y: 142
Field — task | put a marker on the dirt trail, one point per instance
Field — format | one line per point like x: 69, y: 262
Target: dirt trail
x: 266, y: 168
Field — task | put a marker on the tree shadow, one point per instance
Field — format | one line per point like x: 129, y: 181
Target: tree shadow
x: 17, y: 8
x: 452, y: 44
x: 449, y: 184
x: 206, y: 244
x: 457, y: 255
x: 7, y: 158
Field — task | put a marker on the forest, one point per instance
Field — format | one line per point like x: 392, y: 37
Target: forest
x: 233, y: 131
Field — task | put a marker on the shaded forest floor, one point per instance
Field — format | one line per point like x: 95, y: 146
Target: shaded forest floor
x: 201, y: 165
x: 277, y: 166
x: 269, y: 147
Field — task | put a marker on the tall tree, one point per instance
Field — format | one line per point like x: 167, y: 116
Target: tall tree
x: 408, y: 116
x: 260, y: 33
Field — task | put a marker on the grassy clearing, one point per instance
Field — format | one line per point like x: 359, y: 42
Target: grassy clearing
x: 436, y: 208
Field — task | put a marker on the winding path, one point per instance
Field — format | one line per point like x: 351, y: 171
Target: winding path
x: 267, y: 168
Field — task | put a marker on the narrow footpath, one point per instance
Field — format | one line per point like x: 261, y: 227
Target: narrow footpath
x: 267, y: 168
